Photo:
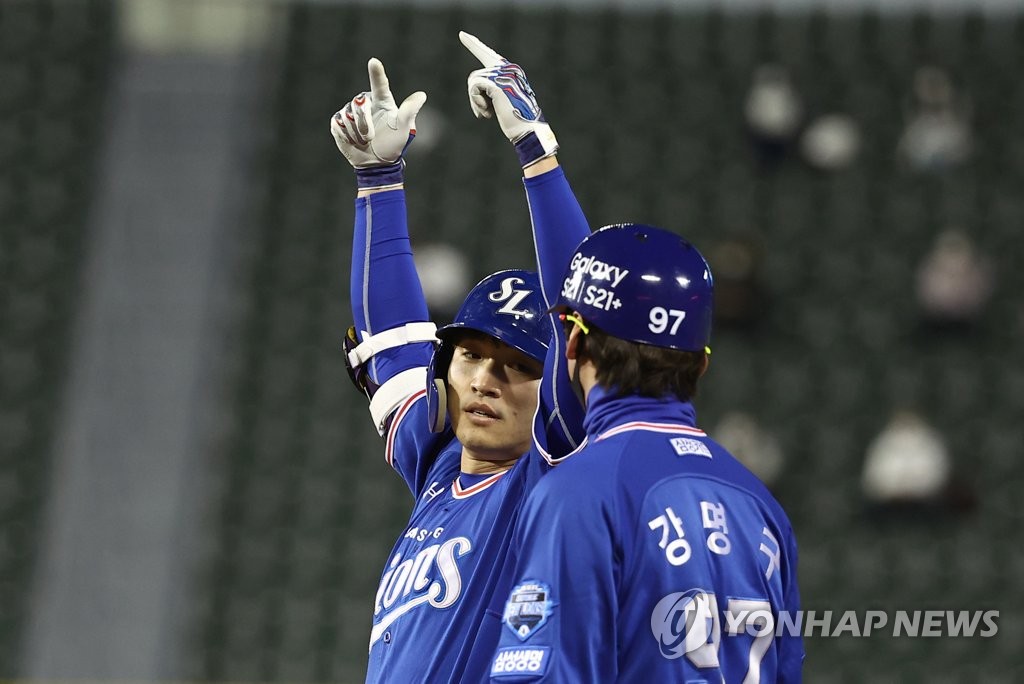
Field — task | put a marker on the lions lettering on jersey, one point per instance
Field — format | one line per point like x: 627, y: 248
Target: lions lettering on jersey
x: 431, y: 577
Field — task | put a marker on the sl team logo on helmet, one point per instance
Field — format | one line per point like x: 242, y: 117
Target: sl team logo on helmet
x: 642, y: 284
x: 506, y: 305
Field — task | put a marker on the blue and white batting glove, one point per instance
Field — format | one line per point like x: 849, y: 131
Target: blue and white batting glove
x: 373, y: 132
x: 500, y: 89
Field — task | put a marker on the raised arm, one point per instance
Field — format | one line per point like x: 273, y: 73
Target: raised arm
x: 500, y: 90
x: 389, y: 346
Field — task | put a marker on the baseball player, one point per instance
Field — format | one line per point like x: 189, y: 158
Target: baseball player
x: 469, y: 424
x: 652, y: 555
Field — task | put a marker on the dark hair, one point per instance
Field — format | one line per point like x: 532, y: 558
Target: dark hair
x: 633, y: 368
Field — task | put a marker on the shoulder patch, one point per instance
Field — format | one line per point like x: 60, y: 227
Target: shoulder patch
x: 686, y: 446
x: 528, y: 607
x: 519, y: 661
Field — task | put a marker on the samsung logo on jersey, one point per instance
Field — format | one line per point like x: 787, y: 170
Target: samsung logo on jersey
x: 685, y: 446
x: 519, y: 661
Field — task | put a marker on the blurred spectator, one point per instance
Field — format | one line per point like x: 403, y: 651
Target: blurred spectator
x: 773, y: 112
x: 938, y: 130
x: 954, y: 282
x: 751, y: 444
x: 831, y: 142
x: 908, y: 467
x: 740, y: 298
x: 444, y: 274
x: 431, y: 129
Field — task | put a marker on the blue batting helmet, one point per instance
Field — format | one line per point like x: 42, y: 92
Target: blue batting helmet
x: 506, y: 305
x: 642, y: 284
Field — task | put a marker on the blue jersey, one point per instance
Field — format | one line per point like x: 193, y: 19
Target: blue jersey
x: 650, y: 556
x: 437, y: 610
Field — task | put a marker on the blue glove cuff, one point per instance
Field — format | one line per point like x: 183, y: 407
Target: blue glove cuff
x: 531, y: 150
x: 381, y: 176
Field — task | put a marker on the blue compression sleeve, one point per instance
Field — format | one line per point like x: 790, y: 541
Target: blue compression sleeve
x: 558, y: 227
x: 385, y: 289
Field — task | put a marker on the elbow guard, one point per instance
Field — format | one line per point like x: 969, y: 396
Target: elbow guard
x: 385, y: 397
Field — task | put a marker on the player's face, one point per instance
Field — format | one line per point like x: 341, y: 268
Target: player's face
x: 492, y: 396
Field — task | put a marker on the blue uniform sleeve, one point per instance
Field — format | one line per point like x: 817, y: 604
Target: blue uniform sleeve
x: 558, y: 225
x: 385, y: 289
x: 410, y: 448
x: 558, y: 424
x: 385, y: 293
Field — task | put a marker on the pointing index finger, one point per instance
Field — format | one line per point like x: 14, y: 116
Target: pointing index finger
x: 488, y: 57
x: 379, y: 87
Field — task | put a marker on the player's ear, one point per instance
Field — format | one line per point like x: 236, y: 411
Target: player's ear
x: 574, y: 345
x: 704, y: 365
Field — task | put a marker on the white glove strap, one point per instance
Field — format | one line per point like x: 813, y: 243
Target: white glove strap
x: 395, y: 337
x: 392, y: 393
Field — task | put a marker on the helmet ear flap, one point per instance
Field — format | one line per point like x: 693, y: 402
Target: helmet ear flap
x: 437, y: 390
x: 438, y: 411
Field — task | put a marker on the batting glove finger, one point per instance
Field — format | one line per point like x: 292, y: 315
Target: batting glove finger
x: 348, y: 123
x: 362, y: 117
x: 488, y: 57
x: 380, y: 88
x: 501, y: 90
x: 340, y: 131
x: 482, y: 92
x: 407, y: 111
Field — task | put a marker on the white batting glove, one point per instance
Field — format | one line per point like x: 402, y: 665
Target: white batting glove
x: 373, y: 133
x: 500, y: 90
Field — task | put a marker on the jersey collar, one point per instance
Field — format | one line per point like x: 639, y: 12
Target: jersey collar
x: 606, y: 412
x: 460, y: 492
